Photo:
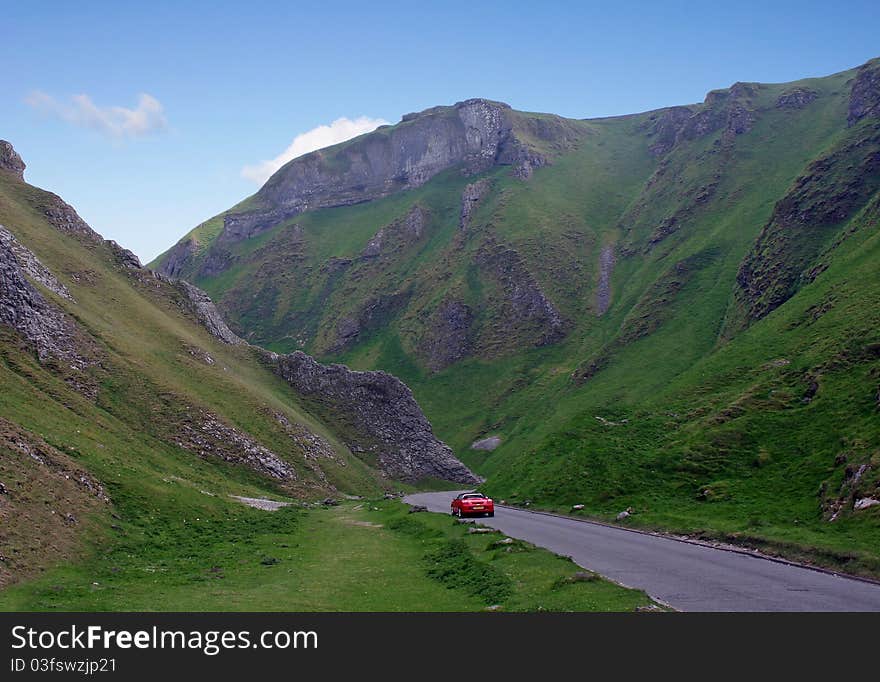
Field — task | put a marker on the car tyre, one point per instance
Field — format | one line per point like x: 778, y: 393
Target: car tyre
x: 490, y: 514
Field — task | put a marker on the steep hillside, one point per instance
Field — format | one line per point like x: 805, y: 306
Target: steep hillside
x: 666, y: 311
x: 127, y: 405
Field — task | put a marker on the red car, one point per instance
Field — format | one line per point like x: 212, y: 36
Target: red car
x: 473, y: 504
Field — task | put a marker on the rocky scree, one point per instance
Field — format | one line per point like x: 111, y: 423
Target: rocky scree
x: 379, y: 418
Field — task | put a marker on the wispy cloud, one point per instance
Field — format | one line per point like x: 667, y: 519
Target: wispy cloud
x: 340, y: 130
x: 147, y: 118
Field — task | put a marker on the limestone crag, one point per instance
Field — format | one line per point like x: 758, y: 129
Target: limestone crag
x: 179, y: 256
x: 208, y: 436
x: 731, y: 111
x: 381, y: 418
x: 10, y: 160
x: 381, y: 415
x: 526, y: 308
x: 48, y: 330
x: 797, y: 98
x: 447, y: 338
x: 470, y: 199
x: 474, y: 135
x: 31, y: 265
x: 125, y: 257
x: 207, y: 312
x: 864, y: 98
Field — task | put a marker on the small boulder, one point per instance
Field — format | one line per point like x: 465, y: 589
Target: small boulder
x: 330, y: 502
x: 626, y: 513
x: 417, y: 508
x: 577, y: 507
x: 489, y: 443
x: 865, y: 503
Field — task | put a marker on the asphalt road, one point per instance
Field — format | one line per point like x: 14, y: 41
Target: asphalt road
x: 686, y: 576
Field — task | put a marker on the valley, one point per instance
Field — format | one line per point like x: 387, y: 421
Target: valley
x: 673, y: 311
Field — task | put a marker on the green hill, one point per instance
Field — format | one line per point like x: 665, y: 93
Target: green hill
x: 674, y: 311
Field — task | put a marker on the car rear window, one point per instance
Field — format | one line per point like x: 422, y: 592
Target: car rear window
x: 474, y: 496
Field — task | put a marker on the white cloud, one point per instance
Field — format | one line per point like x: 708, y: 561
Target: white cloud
x: 340, y: 130
x: 146, y: 118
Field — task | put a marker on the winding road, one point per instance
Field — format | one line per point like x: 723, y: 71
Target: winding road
x: 684, y: 575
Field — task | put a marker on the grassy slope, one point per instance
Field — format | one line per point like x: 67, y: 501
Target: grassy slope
x: 669, y: 369
x: 348, y: 558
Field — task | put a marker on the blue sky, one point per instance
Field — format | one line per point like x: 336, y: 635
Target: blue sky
x: 230, y: 85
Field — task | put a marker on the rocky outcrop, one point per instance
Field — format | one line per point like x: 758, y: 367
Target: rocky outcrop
x: 123, y: 256
x: 398, y: 234
x: 414, y: 222
x: 48, y: 330
x: 372, y: 314
x: 378, y: 416
x: 732, y: 111
x: 527, y: 311
x: 207, y: 436
x: 10, y: 160
x: 470, y: 199
x: 864, y: 97
x: 796, y: 98
x: 830, y: 192
x: 203, y: 307
x: 64, y: 218
x: 664, y: 127
x: 475, y: 135
x: 374, y: 246
x: 448, y: 336
x: 31, y: 265
x: 178, y: 256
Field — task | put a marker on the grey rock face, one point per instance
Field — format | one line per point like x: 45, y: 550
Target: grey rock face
x: 380, y: 415
x: 475, y: 134
x: 128, y: 259
x: 531, y: 311
x: 208, y: 436
x: 414, y: 223
x: 399, y: 233
x: 10, y: 160
x: 374, y: 246
x: 31, y: 265
x: 470, y: 199
x: 51, y: 333
x: 448, y: 337
x: 178, y: 256
x: 25, y: 309
x: 731, y: 111
x: 64, y: 218
x: 371, y: 315
x: 207, y: 312
x: 664, y: 127
x: 865, y: 95
x: 797, y: 98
